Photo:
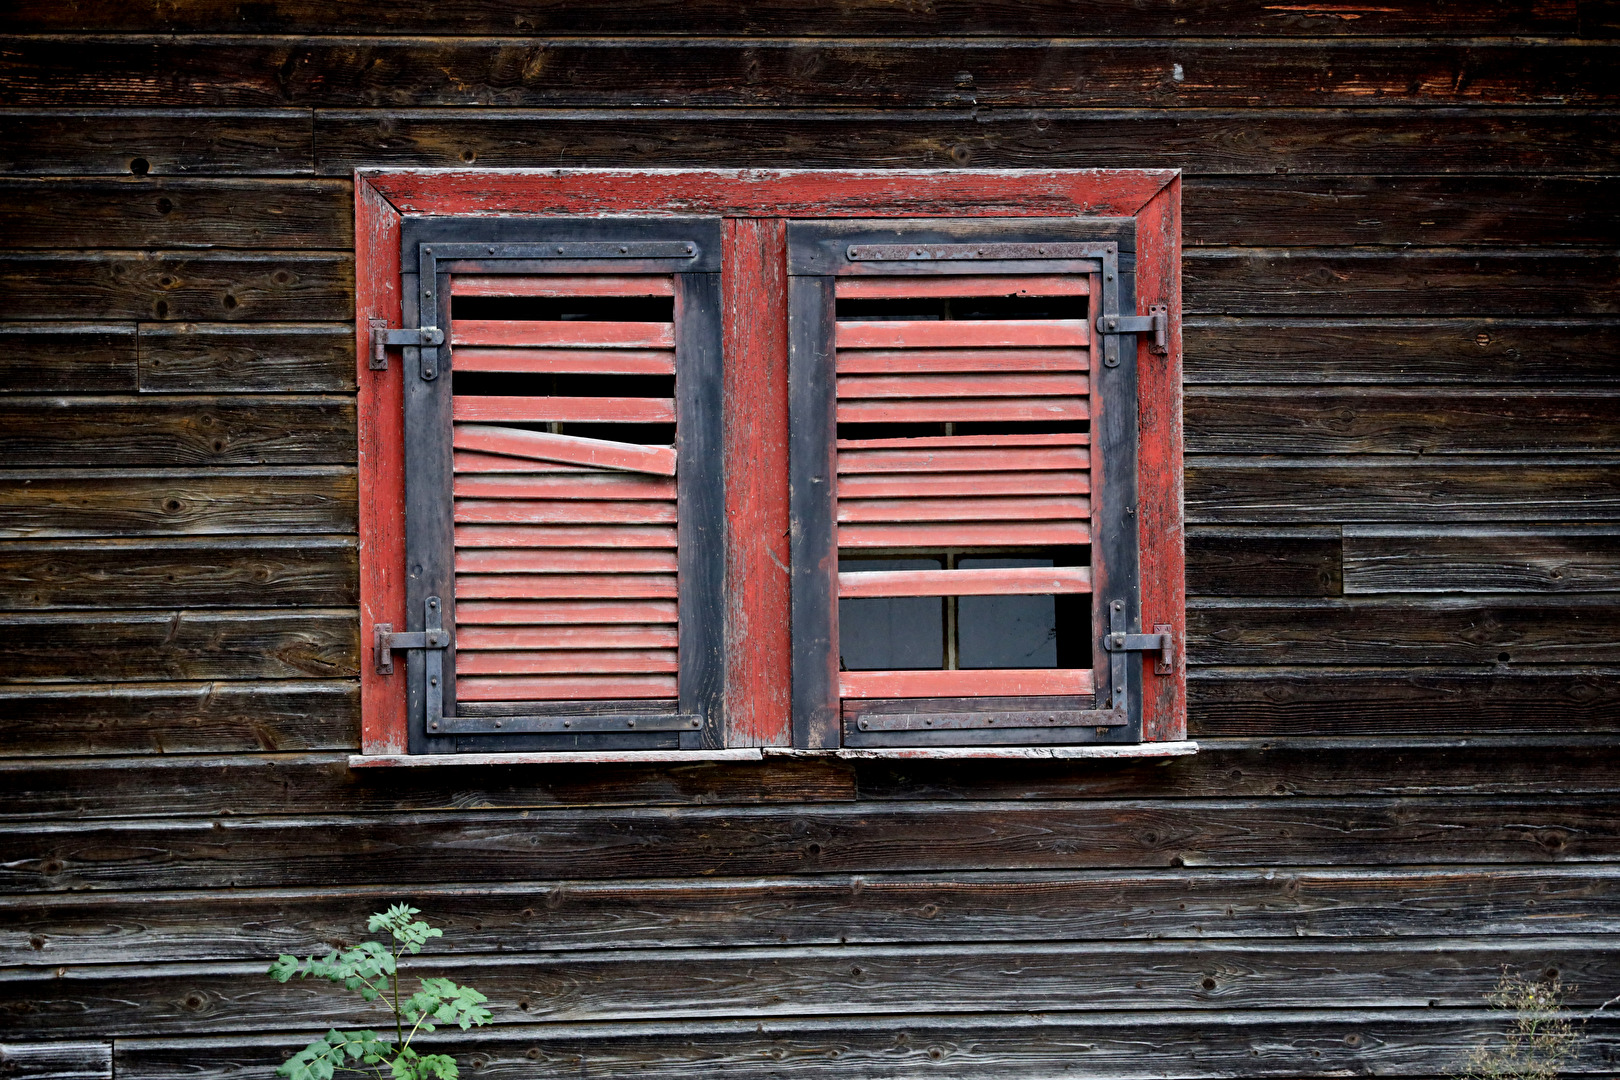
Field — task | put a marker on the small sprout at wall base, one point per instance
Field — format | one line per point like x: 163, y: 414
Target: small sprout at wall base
x: 371, y: 969
x: 1540, y: 1037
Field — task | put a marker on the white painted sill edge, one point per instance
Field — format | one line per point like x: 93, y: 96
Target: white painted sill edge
x: 692, y: 757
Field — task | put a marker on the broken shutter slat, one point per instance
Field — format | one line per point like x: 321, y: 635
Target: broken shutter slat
x: 568, y: 449
x: 535, y: 333
x: 564, y: 410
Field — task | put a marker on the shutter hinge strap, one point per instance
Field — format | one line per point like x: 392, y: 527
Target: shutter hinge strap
x: 1159, y: 641
x: 1155, y: 322
x: 384, y: 641
x: 382, y: 338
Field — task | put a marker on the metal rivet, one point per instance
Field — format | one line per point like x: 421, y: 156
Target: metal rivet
x: 435, y: 727
x: 492, y: 249
x: 623, y: 249
x: 559, y: 249
x: 497, y: 723
x: 428, y: 250
x: 630, y: 723
x: 568, y: 723
x: 434, y: 681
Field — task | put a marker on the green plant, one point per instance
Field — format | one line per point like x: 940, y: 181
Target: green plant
x: 1540, y: 1036
x: 371, y: 969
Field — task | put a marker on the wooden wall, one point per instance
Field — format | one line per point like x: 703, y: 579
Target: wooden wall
x: 1403, y: 405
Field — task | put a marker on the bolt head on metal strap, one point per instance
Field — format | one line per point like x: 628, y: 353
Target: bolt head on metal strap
x: 382, y: 337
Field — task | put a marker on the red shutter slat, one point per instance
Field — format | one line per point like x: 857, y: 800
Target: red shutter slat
x: 563, y: 361
x: 568, y: 410
x: 569, y: 449
x: 564, y: 687
x: 564, y: 586
x: 952, y: 385
x: 989, y: 682
x: 964, y: 534
x: 570, y: 332
x: 607, y: 661
x: 1018, y: 581
x: 596, y: 536
x: 899, y: 361
x: 975, y: 410
x: 590, y: 485
x: 554, y: 612
x: 562, y: 511
x: 561, y: 285
x: 906, y: 288
x: 922, y: 485
x: 961, y: 334
x: 857, y: 511
x: 507, y: 560
x: 585, y: 636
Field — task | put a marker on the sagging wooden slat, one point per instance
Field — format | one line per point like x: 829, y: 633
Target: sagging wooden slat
x: 905, y: 288
x: 951, y: 385
x: 958, y: 333
x: 582, y: 333
x: 996, y: 682
x: 1009, y: 581
x: 564, y: 536
x: 591, y: 485
x: 897, y: 361
x: 563, y: 285
x: 602, y: 661
x: 564, y: 586
x: 964, y: 534
x: 856, y: 511
x: 616, y: 560
x: 575, y: 361
x: 965, y: 410
x: 473, y: 461
x: 973, y: 460
x: 566, y: 636
x: 568, y: 410
x: 563, y: 512
x: 562, y: 612
x: 915, y: 485
x: 566, y: 449
x: 564, y: 687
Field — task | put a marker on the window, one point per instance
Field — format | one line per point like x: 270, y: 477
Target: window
x: 705, y: 464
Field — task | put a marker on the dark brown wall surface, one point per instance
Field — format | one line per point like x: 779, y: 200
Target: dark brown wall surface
x: 1403, y: 425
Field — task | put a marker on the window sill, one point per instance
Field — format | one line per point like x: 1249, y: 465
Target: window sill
x: 648, y: 757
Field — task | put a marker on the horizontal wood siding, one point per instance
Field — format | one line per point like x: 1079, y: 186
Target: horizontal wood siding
x: 1400, y: 330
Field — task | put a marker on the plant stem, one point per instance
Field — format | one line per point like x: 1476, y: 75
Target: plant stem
x: 399, y: 1021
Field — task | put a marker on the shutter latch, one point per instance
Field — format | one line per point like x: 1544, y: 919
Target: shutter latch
x: 1155, y: 322
x: 382, y: 337
x: 1160, y: 641
x: 384, y: 641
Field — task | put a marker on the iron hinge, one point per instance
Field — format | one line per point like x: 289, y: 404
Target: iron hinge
x: 1155, y: 322
x: 1159, y: 641
x: 384, y: 641
x: 382, y: 338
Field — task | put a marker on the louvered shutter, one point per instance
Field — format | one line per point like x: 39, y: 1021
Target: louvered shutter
x: 963, y: 465
x: 563, y: 496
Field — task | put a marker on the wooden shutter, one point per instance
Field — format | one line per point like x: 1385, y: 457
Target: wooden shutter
x: 562, y: 491
x: 952, y: 408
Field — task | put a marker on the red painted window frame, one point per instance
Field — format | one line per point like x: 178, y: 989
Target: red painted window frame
x: 757, y: 205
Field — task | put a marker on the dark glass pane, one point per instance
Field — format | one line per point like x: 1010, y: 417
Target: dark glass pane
x: 1005, y: 631
x: 891, y: 634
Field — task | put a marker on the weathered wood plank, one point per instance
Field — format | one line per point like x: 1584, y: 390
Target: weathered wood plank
x: 141, y: 212
x: 1364, y: 420
x: 120, y: 142
x: 174, y: 502
x: 178, y: 718
x: 57, y: 1060
x: 1461, y: 281
x: 1303, y: 561
x: 284, y: 429
x: 260, y: 571
x: 492, y: 846
x: 1433, y: 211
x: 214, y: 357
x: 178, y: 285
x: 1126, y: 1046
x: 1541, y: 559
x: 1430, y: 630
x: 1243, y: 489
x: 849, y: 981
x: 103, y: 646
x: 1395, y: 352
x: 1475, y: 140
x: 397, y: 72
x: 1273, y: 701
x: 170, y: 785
x: 1076, y: 905
x: 1103, y: 18
x: 45, y: 358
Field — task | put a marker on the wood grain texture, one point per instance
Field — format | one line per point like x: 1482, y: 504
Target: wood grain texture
x: 234, y: 572
x: 1439, y: 630
x: 119, y: 142
x: 1475, y: 140
x: 222, y: 357
x: 178, y: 718
x: 186, y: 286
x: 1364, y: 420
x: 174, y: 502
x: 403, y: 73
x: 1392, y: 701
x: 57, y: 1060
x: 1384, y: 488
x: 1251, y: 561
x: 1549, y: 559
x: 175, y: 645
x: 1373, y: 349
x: 549, y: 916
x: 42, y: 358
x: 490, y: 846
x: 1108, y: 18
x: 304, y: 429
x: 142, y: 212
x: 862, y: 981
